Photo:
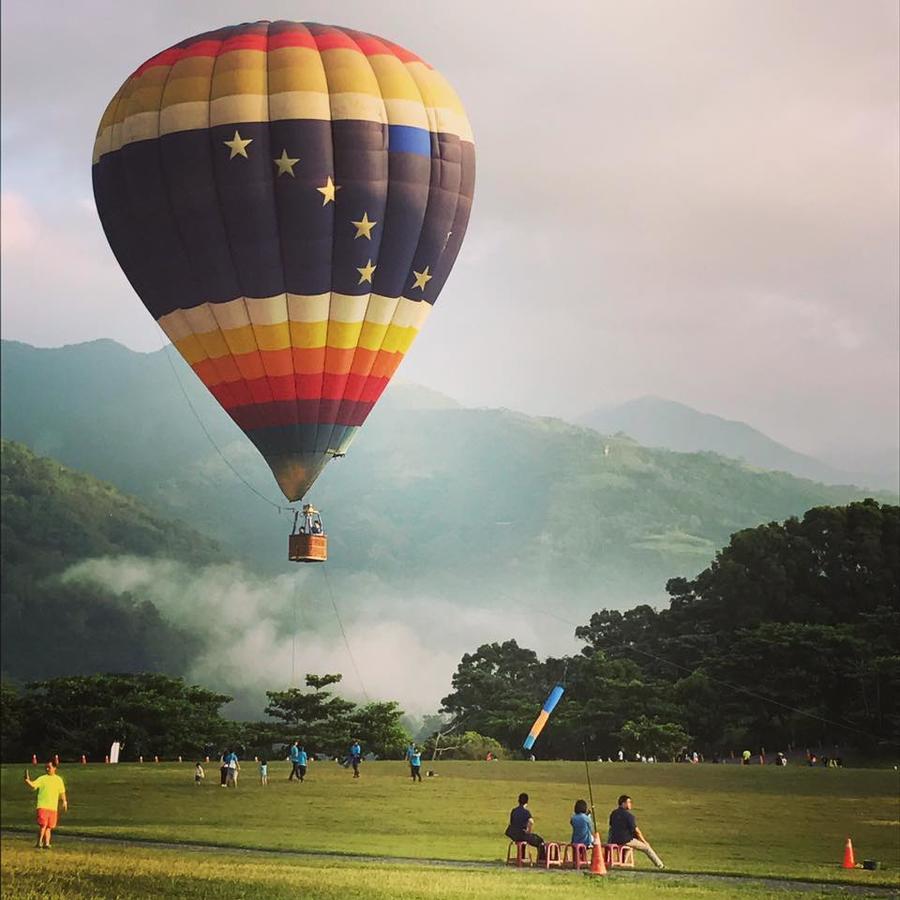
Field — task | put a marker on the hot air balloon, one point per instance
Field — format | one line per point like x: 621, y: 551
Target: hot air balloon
x: 287, y: 200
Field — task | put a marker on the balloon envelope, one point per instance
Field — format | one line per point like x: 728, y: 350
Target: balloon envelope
x: 287, y: 200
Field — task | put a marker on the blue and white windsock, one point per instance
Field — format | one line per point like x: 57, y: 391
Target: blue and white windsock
x: 541, y: 720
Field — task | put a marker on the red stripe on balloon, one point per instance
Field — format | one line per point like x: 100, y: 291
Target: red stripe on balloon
x: 173, y: 54
x: 295, y: 38
x: 332, y: 39
x: 301, y: 412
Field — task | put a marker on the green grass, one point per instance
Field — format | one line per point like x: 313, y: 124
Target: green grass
x: 766, y: 821
x: 80, y: 872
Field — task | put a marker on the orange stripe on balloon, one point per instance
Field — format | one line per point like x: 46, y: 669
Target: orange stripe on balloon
x: 308, y: 360
x: 278, y: 362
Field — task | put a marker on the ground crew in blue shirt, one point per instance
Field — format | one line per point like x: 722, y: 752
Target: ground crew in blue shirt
x: 415, y: 763
x: 295, y: 758
x: 301, y: 763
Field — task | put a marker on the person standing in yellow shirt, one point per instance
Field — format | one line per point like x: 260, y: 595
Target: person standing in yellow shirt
x: 50, y: 790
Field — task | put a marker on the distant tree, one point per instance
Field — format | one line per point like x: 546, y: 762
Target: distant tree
x: 150, y: 714
x: 431, y: 724
x: 10, y: 722
x: 650, y: 737
x: 318, y: 682
x: 790, y: 636
x: 468, y: 745
x: 317, y: 718
x: 498, y: 690
x: 377, y: 725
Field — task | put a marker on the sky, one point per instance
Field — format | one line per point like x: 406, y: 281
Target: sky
x: 695, y: 200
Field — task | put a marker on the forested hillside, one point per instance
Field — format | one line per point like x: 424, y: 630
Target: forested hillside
x: 51, y: 517
x: 787, y: 640
x: 473, y: 506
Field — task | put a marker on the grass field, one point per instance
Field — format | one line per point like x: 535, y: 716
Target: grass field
x: 765, y: 821
x: 84, y: 873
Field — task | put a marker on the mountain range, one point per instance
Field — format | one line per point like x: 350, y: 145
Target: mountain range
x: 656, y: 422
x: 433, y: 499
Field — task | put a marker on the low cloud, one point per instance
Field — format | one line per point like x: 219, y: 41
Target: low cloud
x: 266, y: 633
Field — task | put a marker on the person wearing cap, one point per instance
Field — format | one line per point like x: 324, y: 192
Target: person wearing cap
x: 623, y: 830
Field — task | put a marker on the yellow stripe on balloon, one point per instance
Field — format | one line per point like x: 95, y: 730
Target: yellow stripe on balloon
x: 308, y: 335
x: 296, y: 69
x: 242, y: 326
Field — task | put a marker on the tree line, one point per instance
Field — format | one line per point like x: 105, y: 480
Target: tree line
x: 158, y: 715
x: 790, y: 638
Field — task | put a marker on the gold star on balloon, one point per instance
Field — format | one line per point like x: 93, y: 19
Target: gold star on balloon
x: 285, y: 164
x: 365, y: 273
x: 328, y: 190
x: 363, y: 227
x: 422, y: 278
x: 238, y: 145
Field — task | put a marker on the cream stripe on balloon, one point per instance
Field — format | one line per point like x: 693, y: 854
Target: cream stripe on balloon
x: 309, y: 106
x: 308, y: 308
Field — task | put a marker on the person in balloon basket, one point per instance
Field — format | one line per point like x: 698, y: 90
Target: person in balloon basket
x: 521, y: 826
x: 623, y: 830
x: 355, y: 756
x: 51, y: 790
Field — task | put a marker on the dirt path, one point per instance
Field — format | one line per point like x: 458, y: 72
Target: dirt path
x: 796, y: 887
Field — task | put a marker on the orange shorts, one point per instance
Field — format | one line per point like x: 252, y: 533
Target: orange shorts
x: 47, y: 818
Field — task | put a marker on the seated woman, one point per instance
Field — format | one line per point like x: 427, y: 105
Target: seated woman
x: 582, y: 826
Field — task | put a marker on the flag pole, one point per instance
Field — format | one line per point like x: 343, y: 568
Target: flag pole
x: 587, y: 773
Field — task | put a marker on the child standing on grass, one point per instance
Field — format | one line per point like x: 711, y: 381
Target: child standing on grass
x: 199, y: 774
x: 263, y: 772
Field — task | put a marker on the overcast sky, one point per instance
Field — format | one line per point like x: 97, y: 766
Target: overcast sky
x: 697, y: 200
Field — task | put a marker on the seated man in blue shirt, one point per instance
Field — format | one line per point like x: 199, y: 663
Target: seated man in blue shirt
x: 521, y: 823
x: 623, y: 830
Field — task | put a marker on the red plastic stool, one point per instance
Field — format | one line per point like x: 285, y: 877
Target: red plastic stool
x: 618, y: 856
x: 522, y: 857
x: 551, y: 855
x: 575, y: 855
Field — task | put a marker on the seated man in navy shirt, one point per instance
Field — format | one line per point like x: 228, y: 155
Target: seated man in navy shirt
x: 623, y: 830
x: 520, y: 824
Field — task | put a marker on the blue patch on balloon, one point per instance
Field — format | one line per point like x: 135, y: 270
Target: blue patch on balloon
x: 406, y: 139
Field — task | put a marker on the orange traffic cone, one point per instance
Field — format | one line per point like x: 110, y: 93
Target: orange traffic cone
x: 83, y: 760
x: 598, y: 863
x: 849, y: 862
